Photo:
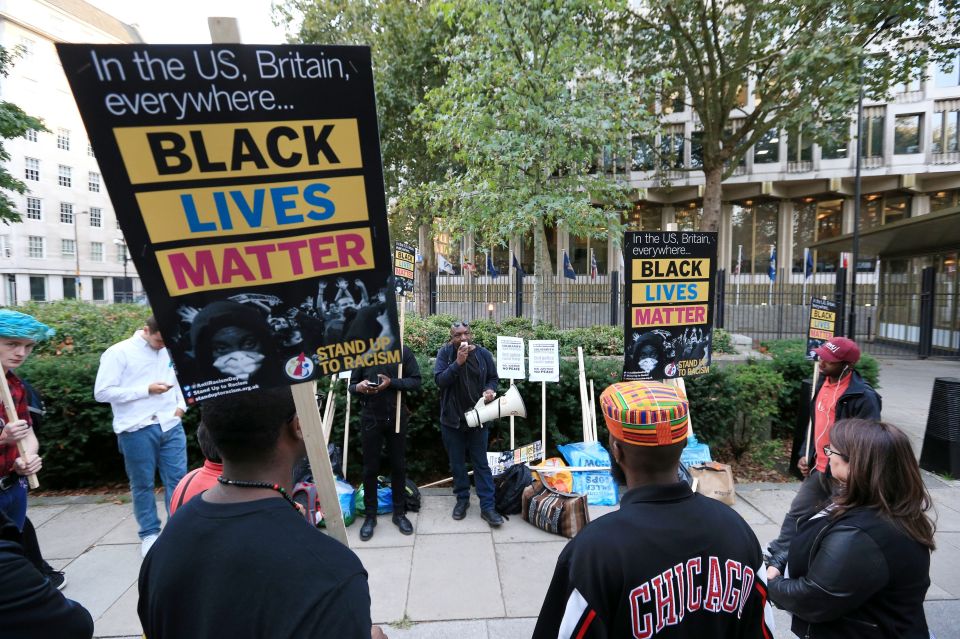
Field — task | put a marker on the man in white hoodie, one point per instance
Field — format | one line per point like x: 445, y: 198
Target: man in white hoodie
x: 137, y: 378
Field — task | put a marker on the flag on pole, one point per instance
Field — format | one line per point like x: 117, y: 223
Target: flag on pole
x: 443, y: 264
x: 568, y: 271
x: 516, y: 265
x: 807, y: 263
x: 772, y: 271
x: 491, y: 269
x: 593, y: 265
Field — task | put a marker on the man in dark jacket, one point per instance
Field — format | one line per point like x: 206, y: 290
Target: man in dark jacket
x: 669, y: 560
x: 30, y: 606
x: 464, y: 373
x: 841, y: 393
x: 379, y: 387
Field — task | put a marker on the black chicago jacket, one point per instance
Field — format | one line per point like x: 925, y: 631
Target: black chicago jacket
x: 670, y: 563
x: 856, y: 576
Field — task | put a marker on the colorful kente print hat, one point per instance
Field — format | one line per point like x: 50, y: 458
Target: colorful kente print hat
x: 645, y: 413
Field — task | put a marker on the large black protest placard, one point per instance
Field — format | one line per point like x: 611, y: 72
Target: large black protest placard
x: 247, y: 181
x: 823, y: 324
x: 669, y: 303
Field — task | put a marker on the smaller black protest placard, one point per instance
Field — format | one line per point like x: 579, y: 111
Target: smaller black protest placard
x: 669, y: 303
x: 404, y: 256
x: 823, y: 324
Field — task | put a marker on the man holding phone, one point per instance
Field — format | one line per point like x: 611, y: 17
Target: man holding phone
x: 465, y: 372
x: 136, y: 377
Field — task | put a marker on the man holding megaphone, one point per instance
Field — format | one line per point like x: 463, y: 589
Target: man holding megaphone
x: 465, y: 372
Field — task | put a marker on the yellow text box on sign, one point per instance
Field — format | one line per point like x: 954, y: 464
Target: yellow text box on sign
x: 692, y: 268
x: 205, y: 151
x: 670, y: 292
x: 237, y: 210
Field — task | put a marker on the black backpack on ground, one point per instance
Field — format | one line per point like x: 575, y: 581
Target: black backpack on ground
x: 508, y: 498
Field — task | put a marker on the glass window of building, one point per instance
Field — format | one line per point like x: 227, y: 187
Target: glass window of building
x: 34, y: 208
x: 644, y: 155
x: 528, y: 255
x: 906, y: 133
x: 93, y: 181
x: 878, y: 208
x: 873, y: 123
x: 69, y: 288
x: 829, y: 224
x: 96, y: 251
x: 948, y: 74
x: 90, y: 149
x: 581, y: 249
x: 671, y: 147
x: 871, y: 211
x: 96, y: 217
x: 38, y: 288
x: 767, y: 149
x: 66, y: 213
x: 643, y: 217
x: 63, y: 139
x: 909, y: 86
x: 31, y: 169
x: 895, y: 208
x: 800, y: 145
x: 754, y: 226
x: 31, y: 135
x: 64, y: 175
x: 98, y: 289
x: 696, y: 150
x: 804, y: 230
x: 687, y: 216
x: 68, y: 248
x: 836, y: 140
x: 946, y: 130
x: 35, y: 246
x: 6, y: 246
x: 944, y: 200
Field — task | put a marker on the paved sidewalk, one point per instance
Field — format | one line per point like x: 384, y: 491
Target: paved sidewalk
x: 460, y: 578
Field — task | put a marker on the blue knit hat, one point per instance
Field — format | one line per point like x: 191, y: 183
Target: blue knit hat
x: 23, y: 326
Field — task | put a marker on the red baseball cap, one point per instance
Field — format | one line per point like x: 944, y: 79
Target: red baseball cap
x: 839, y: 349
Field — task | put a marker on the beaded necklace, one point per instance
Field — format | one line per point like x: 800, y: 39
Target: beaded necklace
x: 239, y: 483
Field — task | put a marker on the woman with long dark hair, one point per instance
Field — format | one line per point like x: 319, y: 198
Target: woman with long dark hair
x: 861, y: 566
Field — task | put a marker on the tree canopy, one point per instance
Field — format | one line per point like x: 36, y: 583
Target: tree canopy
x: 14, y: 123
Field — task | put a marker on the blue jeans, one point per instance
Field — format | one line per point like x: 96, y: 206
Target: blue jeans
x: 13, y: 503
x: 144, y: 452
x: 461, y: 444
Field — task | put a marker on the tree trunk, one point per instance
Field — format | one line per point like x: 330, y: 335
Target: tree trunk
x: 712, y: 193
x: 544, y: 281
x: 421, y: 291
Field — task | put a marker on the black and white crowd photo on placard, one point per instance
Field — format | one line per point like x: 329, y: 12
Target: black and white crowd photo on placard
x: 658, y: 353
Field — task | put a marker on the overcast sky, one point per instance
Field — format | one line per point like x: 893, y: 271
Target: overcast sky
x: 185, y: 21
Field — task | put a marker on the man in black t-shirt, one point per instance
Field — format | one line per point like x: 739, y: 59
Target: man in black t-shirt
x: 240, y: 560
x: 670, y: 562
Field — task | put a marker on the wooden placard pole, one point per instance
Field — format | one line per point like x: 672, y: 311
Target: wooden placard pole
x: 346, y: 432
x: 543, y: 418
x: 315, y: 439
x: 583, y: 395
x: 678, y: 382
x: 403, y: 313
x: 512, y: 446
x: 593, y: 414
x: 12, y: 416
x: 813, y: 394
x: 329, y: 411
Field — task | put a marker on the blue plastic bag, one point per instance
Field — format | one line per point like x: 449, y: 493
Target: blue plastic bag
x: 345, y: 494
x: 384, y: 499
x: 695, y: 453
x: 599, y: 487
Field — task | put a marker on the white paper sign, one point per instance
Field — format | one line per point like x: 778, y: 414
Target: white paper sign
x: 344, y: 375
x: 544, y: 360
x: 510, y: 363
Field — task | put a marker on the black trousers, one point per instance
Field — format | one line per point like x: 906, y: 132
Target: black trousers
x: 373, y: 434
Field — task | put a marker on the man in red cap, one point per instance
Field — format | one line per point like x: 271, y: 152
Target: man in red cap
x: 841, y: 394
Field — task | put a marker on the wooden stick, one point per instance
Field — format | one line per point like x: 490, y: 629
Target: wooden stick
x: 305, y: 399
x: 12, y: 416
x: 346, y: 432
x: 593, y: 414
x: 813, y: 395
x: 678, y: 382
x: 329, y: 411
x: 543, y: 418
x: 583, y: 394
x: 400, y: 367
x: 441, y: 481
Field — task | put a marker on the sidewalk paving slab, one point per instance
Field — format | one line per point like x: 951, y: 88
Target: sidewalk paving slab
x: 388, y: 571
x: 525, y: 573
x: 77, y: 528
x: 100, y: 576
x: 121, y: 618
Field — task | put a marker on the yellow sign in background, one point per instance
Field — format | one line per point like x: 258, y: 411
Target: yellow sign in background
x: 235, y: 145
x: 167, y: 219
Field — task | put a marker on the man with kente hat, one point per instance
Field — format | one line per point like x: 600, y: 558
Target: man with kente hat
x: 669, y: 562
x: 19, y: 333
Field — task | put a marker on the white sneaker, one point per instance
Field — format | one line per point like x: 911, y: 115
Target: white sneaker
x: 147, y: 543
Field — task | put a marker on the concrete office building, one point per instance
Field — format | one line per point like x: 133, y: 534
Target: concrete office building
x: 69, y: 244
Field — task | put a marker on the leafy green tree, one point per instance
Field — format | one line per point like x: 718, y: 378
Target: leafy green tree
x: 14, y: 123
x: 537, y: 93
x: 405, y: 37
x: 807, y: 58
